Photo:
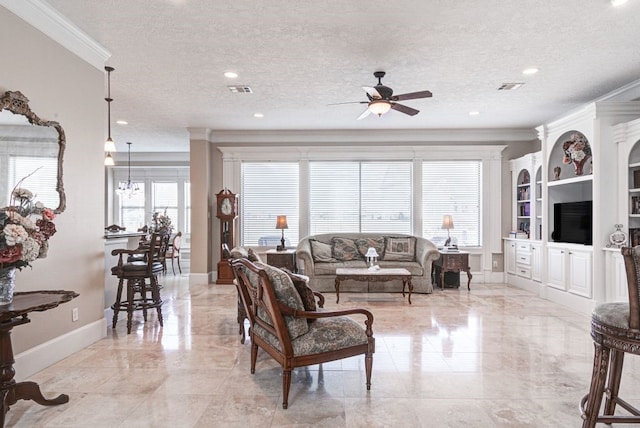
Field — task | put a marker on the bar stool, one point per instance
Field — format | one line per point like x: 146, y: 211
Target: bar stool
x: 615, y: 329
x: 136, y: 273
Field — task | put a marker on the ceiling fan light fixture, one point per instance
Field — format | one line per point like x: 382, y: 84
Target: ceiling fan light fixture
x: 379, y: 107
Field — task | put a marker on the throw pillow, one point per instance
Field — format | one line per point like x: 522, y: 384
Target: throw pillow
x: 253, y: 256
x: 345, y: 249
x: 321, y: 252
x: 365, y: 243
x: 305, y: 292
x: 400, y: 249
x: 239, y: 253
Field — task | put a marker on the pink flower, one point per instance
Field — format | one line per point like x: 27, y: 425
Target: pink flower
x: 48, y: 214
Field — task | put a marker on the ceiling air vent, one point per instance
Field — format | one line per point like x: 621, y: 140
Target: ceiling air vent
x: 240, y: 89
x: 510, y: 86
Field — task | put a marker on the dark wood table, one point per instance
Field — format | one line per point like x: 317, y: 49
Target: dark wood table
x: 282, y: 259
x: 453, y: 262
x: 11, y: 316
x: 382, y: 274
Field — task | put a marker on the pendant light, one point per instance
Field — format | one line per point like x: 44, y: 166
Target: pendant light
x: 109, y: 145
x: 127, y: 188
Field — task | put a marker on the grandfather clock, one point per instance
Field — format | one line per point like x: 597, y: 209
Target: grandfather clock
x: 227, y: 211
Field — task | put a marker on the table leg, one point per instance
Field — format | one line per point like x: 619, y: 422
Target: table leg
x: 410, y: 288
x: 337, y: 289
x: 469, y: 276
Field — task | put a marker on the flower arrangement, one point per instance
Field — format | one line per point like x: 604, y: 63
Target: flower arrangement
x: 577, y: 151
x: 160, y: 222
x: 25, y: 229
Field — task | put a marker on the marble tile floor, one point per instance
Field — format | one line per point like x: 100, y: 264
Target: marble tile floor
x: 497, y: 356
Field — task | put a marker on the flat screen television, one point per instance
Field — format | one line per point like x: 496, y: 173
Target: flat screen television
x: 572, y: 222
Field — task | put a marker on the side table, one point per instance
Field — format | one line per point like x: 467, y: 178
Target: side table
x: 453, y: 262
x: 282, y: 259
x: 11, y: 316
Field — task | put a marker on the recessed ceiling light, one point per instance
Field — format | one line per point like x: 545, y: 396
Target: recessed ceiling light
x: 474, y: 113
x: 258, y: 115
x: 122, y: 122
x: 618, y: 2
x: 531, y: 70
x: 230, y: 74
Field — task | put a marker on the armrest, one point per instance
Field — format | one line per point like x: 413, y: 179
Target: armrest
x: 303, y: 253
x: 287, y: 310
x: 320, y: 297
x: 426, y: 253
x: 120, y: 251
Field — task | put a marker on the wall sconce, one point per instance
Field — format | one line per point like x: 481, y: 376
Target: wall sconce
x: 447, y: 223
x: 281, y: 223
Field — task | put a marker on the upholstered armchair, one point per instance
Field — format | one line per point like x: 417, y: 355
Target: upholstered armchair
x: 288, y: 328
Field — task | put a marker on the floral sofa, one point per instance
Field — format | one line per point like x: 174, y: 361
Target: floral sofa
x: 320, y: 255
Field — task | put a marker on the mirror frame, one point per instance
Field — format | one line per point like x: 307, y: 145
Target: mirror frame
x: 17, y: 103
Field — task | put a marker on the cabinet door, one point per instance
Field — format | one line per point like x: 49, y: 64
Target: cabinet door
x: 536, y: 262
x: 580, y: 272
x: 511, y: 257
x: 556, y: 267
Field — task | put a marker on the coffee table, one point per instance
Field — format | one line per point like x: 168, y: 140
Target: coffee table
x: 382, y: 274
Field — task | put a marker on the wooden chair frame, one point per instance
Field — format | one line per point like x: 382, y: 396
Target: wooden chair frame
x: 262, y: 296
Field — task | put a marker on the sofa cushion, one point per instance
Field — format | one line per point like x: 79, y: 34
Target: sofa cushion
x: 305, y: 292
x: 325, y: 335
x: 400, y: 248
x: 345, y: 249
x: 414, y: 267
x: 239, y: 253
x: 321, y: 252
x: 330, y: 268
x: 364, y: 244
x: 253, y: 256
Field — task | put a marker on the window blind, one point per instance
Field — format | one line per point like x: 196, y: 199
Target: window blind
x: 165, y: 200
x: 269, y: 189
x: 360, y: 197
x: 132, y: 210
x: 452, y: 187
x: 44, y: 177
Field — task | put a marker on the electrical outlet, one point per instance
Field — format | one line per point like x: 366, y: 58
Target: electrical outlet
x: 495, y: 264
x: 74, y: 314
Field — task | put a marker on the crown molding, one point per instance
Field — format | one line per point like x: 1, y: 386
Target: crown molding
x: 40, y: 15
x: 408, y: 136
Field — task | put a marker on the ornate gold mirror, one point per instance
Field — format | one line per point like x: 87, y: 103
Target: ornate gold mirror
x: 33, y: 148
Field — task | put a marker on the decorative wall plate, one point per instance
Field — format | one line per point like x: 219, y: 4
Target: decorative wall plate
x: 618, y: 238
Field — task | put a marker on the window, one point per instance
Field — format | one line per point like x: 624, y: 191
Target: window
x: 452, y: 187
x: 42, y: 172
x: 165, y: 200
x: 360, y: 197
x: 187, y: 207
x: 269, y: 189
x: 132, y: 211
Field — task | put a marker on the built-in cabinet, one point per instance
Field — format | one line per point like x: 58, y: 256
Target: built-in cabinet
x: 579, y: 162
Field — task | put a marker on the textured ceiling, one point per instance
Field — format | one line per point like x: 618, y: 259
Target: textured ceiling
x: 300, y: 56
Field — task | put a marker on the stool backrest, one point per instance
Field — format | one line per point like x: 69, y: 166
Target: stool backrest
x: 632, y: 266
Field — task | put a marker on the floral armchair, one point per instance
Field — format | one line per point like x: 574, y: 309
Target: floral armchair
x: 290, y: 333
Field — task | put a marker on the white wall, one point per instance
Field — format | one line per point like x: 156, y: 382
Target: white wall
x: 64, y: 88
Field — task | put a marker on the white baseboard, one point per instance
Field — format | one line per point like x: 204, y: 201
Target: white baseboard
x: 42, y: 356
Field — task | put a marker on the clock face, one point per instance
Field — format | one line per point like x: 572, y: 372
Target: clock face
x: 226, y: 207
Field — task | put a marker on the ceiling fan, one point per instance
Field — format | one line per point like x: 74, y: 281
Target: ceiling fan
x: 381, y: 99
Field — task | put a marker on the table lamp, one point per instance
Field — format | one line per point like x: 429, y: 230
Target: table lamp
x: 281, y: 223
x: 371, y: 256
x: 447, y: 223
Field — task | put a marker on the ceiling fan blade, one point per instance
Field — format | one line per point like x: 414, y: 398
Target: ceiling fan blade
x: 364, y: 114
x: 412, y: 96
x: 404, y: 109
x: 349, y: 102
x: 372, y: 93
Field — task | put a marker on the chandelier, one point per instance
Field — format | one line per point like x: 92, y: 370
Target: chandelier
x: 127, y: 188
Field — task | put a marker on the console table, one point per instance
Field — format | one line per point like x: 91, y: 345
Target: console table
x: 453, y: 262
x: 11, y: 316
x: 364, y: 274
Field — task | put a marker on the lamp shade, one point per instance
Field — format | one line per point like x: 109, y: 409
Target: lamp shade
x: 447, y: 222
x: 281, y: 222
x: 371, y: 252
